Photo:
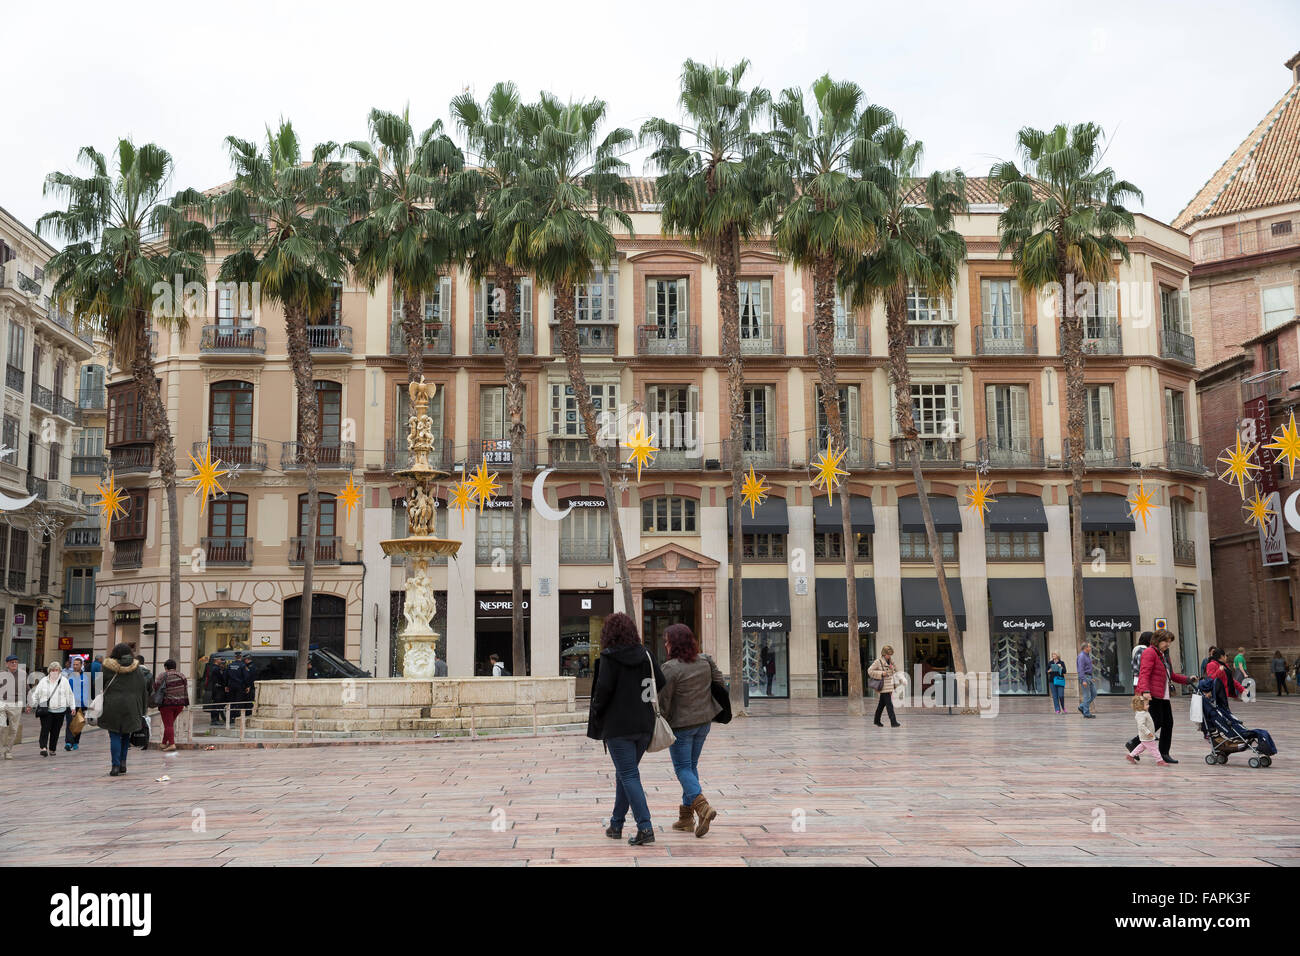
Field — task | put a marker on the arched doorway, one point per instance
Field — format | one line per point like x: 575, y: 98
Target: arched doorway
x: 328, y: 623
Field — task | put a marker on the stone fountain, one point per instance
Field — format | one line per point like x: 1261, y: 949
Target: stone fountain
x: 419, y: 546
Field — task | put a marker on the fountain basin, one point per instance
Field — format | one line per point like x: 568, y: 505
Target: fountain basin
x: 420, y: 546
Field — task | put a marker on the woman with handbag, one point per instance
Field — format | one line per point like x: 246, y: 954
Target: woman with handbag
x: 125, y: 702
x: 1056, y: 677
x: 170, y: 695
x: 687, y: 703
x: 624, y: 714
x: 881, y: 679
x: 52, y: 700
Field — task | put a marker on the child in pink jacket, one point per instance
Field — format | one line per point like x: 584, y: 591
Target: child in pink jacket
x: 1146, y: 733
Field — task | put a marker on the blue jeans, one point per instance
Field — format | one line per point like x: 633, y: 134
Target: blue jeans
x: 120, y: 745
x: 626, y: 752
x: 1058, y: 697
x: 1088, y: 693
x: 686, y: 760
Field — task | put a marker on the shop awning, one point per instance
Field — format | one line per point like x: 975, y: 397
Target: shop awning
x: 944, y: 509
x: 923, y: 607
x: 826, y: 515
x: 833, y: 606
x: 770, y: 517
x: 765, y: 604
x: 1016, y: 513
x: 1106, y: 513
x: 1110, y: 604
x: 1020, y: 604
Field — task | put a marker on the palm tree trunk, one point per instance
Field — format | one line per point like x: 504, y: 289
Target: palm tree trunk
x: 900, y: 374
x: 295, y: 326
x: 413, y: 332
x: 505, y: 281
x: 824, y: 332
x: 1075, y: 401
x: 728, y: 266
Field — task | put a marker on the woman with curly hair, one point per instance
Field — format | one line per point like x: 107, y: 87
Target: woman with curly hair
x: 687, y: 703
x: 622, y: 715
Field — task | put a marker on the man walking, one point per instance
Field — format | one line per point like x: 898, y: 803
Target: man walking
x: 1087, y: 686
x: 250, y: 680
x: 12, y: 697
x: 83, y: 692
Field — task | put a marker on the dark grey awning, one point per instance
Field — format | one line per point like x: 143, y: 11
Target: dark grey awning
x: 944, y: 509
x: 833, y: 606
x: 826, y: 515
x: 1110, y: 604
x: 1106, y: 513
x: 1016, y: 513
x: 766, y: 604
x: 770, y: 517
x: 923, y: 608
x: 1020, y: 604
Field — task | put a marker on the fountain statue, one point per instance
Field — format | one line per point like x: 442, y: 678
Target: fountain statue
x: 420, y: 545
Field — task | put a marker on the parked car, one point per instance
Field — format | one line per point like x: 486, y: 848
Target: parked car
x: 282, y: 665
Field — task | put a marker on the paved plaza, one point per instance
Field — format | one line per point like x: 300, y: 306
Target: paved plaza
x: 1025, y: 788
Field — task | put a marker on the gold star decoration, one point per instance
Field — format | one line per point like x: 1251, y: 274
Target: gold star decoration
x: 112, y: 500
x: 462, y: 497
x: 1238, y: 465
x: 828, y: 469
x: 206, y: 477
x: 754, y: 490
x: 484, y: 485
x: 642, y: 447
x: 350, y: 496
x: 1257, y: 510
x: 1287, y: 445
x: 979, y: 498
x: 1141, y: 503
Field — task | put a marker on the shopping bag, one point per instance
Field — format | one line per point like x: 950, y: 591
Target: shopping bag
x: 1196, y: 709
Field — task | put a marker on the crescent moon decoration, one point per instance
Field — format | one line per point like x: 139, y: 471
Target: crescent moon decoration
x: 540, y: 504
x: 14, y: 504
x: 1257, y: 510
x: 1292, y: 515
x: 1287, y: 445
x: 1141, y: 503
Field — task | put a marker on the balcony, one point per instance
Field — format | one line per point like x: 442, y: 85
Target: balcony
x: 14, y: 377
x: 397, y: 456
x: 577, y: 454
x: 17, y: 580
x: 668, y: 340
x: 95, y: 466
x: 772, y: 453
x: 64, y: 494
x: 240, y: 340
x: 768, y: 340
x: 327, y: 550
x: 1177, y: 346
x: 437, y: 339
x: 487, y: 341
x: 40, y: 487
x: 227, y: 552
x: 1184, y: 456
x: 42, y: 397
x: 1017, y: 339
x: 679, y: 459
x: 1100, y: 337
x: 584, y: 551
x: 128, y: 554
x: 1111, y: 453
x: 847, y: 341
x: 858, y: 458
x: 77, y: 613
x: 247, y: 453
x: 1184, y: 552
x: 329, y: 456
x: 930, y: 338
x: 936, y: 453
x: 593, y: 338
x: 1004, y: 452
x: 497, y: 453
x: 92, y: 399
x: 485, y: 551
x: 329, y: 339
x: 82, y: 536
x: 1247, y: 240
x: 66, y: 408
x: 135, y: 459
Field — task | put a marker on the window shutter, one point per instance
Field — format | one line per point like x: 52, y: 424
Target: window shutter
x: 651, y: 296
x: 769, y: 408
x: 991, y: 413
x: 1184, y: 313
x: 397, y: 305
x: 1169, y: 414
x: 491, y: 412
x: 1017, y: 306
x: 691, y: 431
x: 986, y: 305
x: 683, y: 305
x: 766, y: 330
x: 480, y: 304
x: 526, y: 303
x: 444, y: 298
x: 1107, y: 401
x: 557, y: 409
x: 851, y: 403
x: 611, y: 296
x: 1020, y: 417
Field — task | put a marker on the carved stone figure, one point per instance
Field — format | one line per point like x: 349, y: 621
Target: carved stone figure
x: 419, y: 512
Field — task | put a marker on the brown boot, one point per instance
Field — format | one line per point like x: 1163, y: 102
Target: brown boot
x: 685, y: 819
x: 704, y: 813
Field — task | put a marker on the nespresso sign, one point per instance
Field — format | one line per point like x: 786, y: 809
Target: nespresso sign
x: 583, y: 502
x: 496, y: 607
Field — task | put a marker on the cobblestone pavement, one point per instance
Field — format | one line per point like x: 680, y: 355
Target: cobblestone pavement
x: 1024, y: 788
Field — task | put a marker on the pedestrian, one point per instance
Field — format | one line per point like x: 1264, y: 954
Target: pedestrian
x: 1056, y: 676
x: 83, y: 692
x: 498, y: 669
x: 686, y: 702
x: 236, y: 678
x: 1146, y: 733
x: 250, y: 684
x: 215, y: 682
x: 97, y: 665
x: 1279, y: 673
x: 883, y: 670
x: 126, y: 700
x: 148, y: 674
x: 1143, y: 642
x: 51, y: 699
x: 624, y: 718
x: 1239, y: 665
x: 175, y: 698
x: 1217, y: 669
x: 1087, y: 686
x: 1205, y: 661
x: 769, y: 668
x: 1154, y: 684
x: 439, y: 666
x: 11, y: 706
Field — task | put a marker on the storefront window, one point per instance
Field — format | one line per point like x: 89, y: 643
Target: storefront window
x: 1112, y: 653
x: 767, y: 663
x: 222, y: 629
x: 582, y: 615
x: 833, y: 664
x: 1020, y: 659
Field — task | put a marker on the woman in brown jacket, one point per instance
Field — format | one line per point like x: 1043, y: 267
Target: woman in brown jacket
x: 883, y: 670
x: 686, y: 702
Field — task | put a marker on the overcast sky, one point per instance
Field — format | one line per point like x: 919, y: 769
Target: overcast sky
x: 1176, y: 85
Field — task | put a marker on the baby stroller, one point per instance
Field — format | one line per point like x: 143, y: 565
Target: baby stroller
x: 1227, y: 734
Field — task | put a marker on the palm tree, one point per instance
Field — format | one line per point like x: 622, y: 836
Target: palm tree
x: 574, y: 179
x: 1063, y: 211
x: 711, y: 189
x: 826, y: 223
x: 495, y: 246
x: 917, y: 246
x: 284, y: 217
x: 125, y: 237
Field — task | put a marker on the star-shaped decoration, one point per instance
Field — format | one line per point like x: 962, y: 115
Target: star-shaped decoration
x: 350, y: 496
x: 1287, y: 445
x: 828, y: 469
x: 1258, y: 510
x: 642, y: 447
x: 623, y: 483
x: 48, y: 524
x: 979, y: 498
x: 485, y: 486
x: 754, y: 490
x: 983, y: 466
x: 207, y: 477
x: 112, y: 499
x: 1238, y: 465
x: 1141, y: 503
x: 462, y: 497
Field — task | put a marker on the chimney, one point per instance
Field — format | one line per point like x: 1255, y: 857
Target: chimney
x: 1293, y: 65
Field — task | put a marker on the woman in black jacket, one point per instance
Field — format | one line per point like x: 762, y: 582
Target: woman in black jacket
x: 623, y: 716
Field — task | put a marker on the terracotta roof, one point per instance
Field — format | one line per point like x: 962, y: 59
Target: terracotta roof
x: 1263, y: 171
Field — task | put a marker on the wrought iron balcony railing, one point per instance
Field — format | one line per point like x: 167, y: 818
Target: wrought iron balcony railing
x: 39, y: 487
x: 92, y: 398
x: 594, y: 338
x: 678, y: 339
x: 765, y: 340
x: 1001, y: 452
x: 14, y: 377
x: 1100, y: 337
x: 1184, y: 551
x: 327, y: 550
x: 437, y: 341
x: 769, y: 453
x: 94, y: 465
x: 398, y: 457
x: 486, y: 550
x: 246, y: 452
x: 487, y: 340
x: 1184, y: 456
x: 329, y: 456
x: 76, y: 613
x: 853, y: 340
x: 82, y: 536
x: 234, y: 339
x: 66, y: 408
x: 584, y: 551
x: 134, y: 459
x: 1017, y: 339
x: 42, y: 397
x: 679, y: 459
x: 128, y: 554
x: 1108, y: 453
x: 500, y: 452
x: 330, y: 339
x: 858, y: 458
x: 1177, y: 346
x: 930, y: 338
x: 228, y: 551
x: 935, y: 453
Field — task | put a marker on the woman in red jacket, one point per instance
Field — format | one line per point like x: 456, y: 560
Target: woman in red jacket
x: 1154, y: 678
x: 1216, y: 670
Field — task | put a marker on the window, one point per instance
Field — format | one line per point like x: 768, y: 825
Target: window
x: 60, y: 372
x: 134, y: 524
x: 668, y: 515
x: 763, y: 547
x: 1272, y: 359
x: 1278, y: 304
x: 325, y: 527
x: 674, y: 412
x: 329, y: 410
x: 232, y: 307
x: 402, y: 423
x: 437, y: 304
x: 926, y: 308
x: 565, y: 418
x: 1172, y: 318
x: 487, y: 306
x: 1114, y: 545
x: 1006, y: 412
x: 37, y: 355
x: 760, y: 417
x: 1175, y: 417
x: 126, y: 416
x: 1013, y: 545
x: 937, y: 409
x: 228, y: 517
x: 333, y: 314
x: 914, y: 546
x: 90, y: 443
x: 844, y: 317
x: 493, y: 421
x: 755, y: 308
x: 80, y: 588
x: 584, y: 536
x: 56, y: 454
x: 231, y: 414
x: 10, y: 437
x: 1099, y: 311
x: 1001, y: 308
x: 1184, y: 546
x: 667, y: 307
x: 849, y: 415
x: 829, y: 546
x: 1282, y: 228
x: 496, y: 528
x: 1099, y: 419
x: 16, y: 345
x: 17, y: 559
x: 595, y: 301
